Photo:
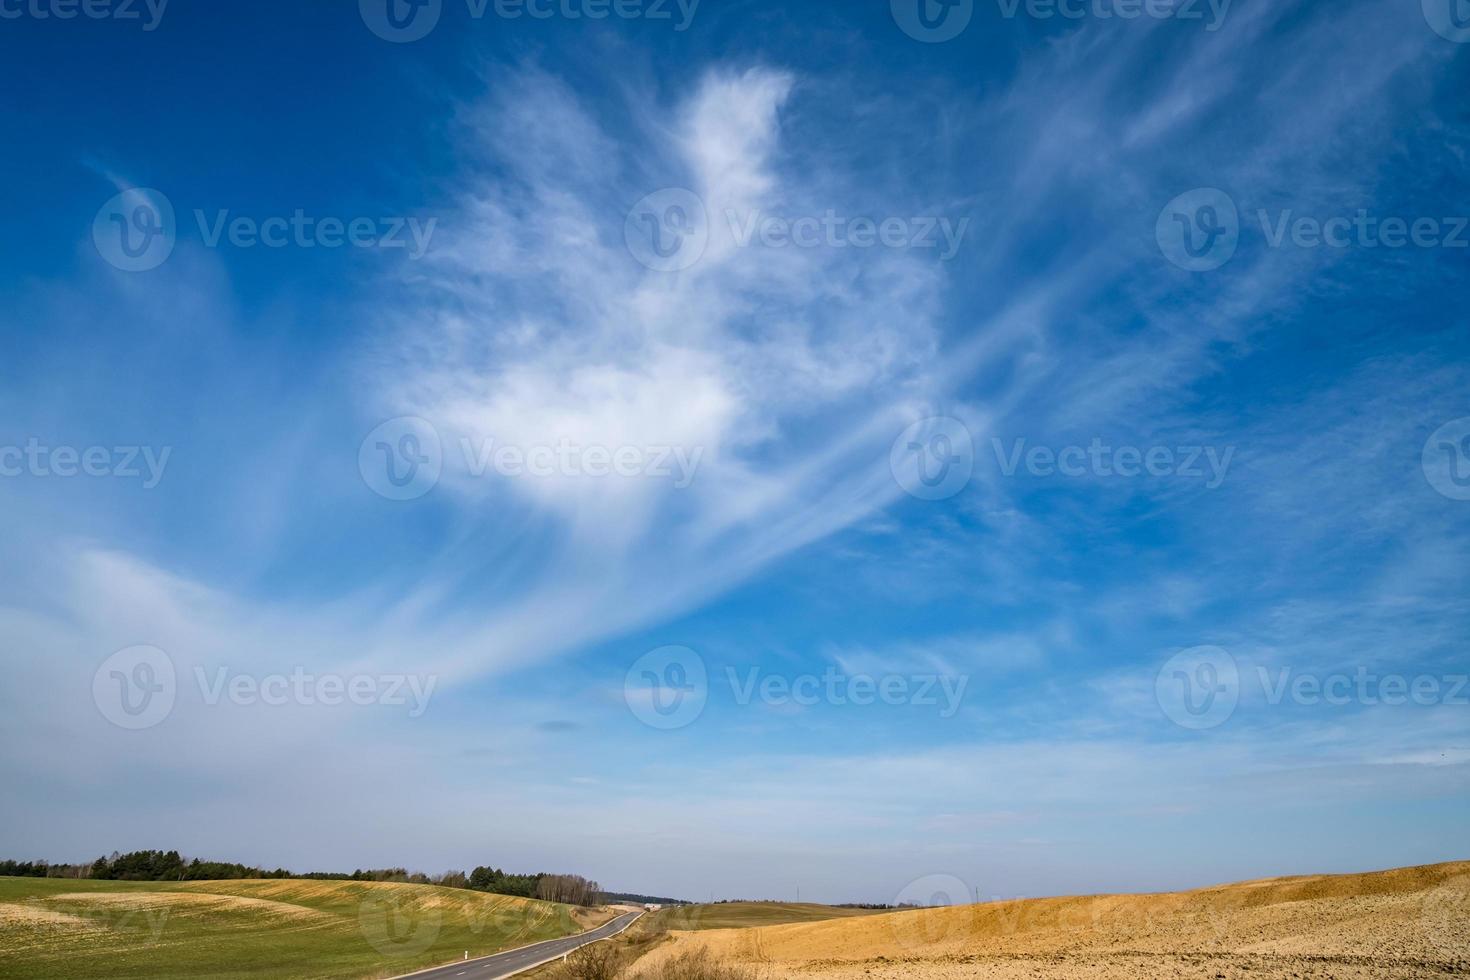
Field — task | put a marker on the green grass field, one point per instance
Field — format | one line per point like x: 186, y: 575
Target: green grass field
x: 68, y: 928
x: 741, y: 915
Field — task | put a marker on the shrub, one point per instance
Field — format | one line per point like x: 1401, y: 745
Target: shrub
x: 595, y: 961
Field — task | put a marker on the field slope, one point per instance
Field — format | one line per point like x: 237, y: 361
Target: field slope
x: 256, y: 929
x: 1412, y: 922
x: 744, y: 915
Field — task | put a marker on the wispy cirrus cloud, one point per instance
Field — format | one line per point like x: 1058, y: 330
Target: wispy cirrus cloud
x: 771, y: 365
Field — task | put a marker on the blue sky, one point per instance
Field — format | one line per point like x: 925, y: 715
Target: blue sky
x: 662, y: 235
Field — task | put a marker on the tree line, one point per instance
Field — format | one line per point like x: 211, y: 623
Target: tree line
x: 43, y: 869
x: 567, y: 889
x: 172, y: 866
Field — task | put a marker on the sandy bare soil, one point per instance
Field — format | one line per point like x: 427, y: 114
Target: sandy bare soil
x: 1412, y: 922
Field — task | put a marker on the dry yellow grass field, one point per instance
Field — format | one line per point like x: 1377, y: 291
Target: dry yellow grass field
x: 1411, y: 922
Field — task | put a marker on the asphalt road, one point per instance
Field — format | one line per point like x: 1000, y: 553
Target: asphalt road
x: 514, y: 961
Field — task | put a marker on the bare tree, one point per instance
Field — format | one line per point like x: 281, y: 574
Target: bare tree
x: 568, y: 889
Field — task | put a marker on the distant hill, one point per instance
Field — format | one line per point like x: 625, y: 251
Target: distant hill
x: 630, y: 898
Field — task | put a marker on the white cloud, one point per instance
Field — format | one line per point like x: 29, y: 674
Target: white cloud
x: 788, y: 371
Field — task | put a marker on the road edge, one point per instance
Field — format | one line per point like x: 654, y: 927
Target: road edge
x: 515, y: 949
